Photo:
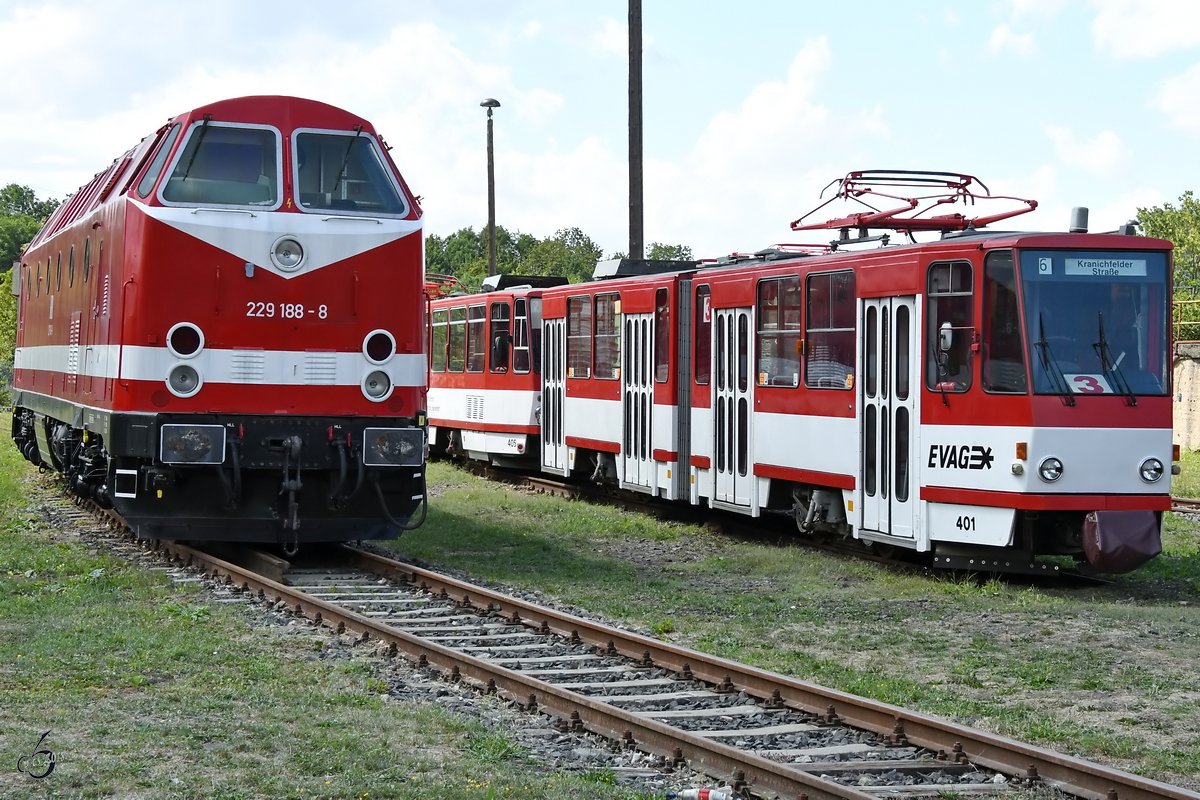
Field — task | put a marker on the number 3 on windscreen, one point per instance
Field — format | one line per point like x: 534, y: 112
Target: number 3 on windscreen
x: 1088, y: 384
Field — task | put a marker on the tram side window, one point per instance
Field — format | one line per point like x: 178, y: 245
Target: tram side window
x: 662, y: 335
x: 830, y: 331
x: 951, y: 327
x: 500, y: 336
x: 579, y: 337
x: 779, y: 341
x: 1003, y: 351
x: 438, y: 340
x: 458, y: 339
x: 520, y: 336
x: 535, y: 333
x: 608, y: 336
x: 476, y: 343
x: 703, y: 327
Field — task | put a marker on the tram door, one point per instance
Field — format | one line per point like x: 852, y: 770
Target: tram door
x: 731, y: 407
x: 554, y: 367
x: 889, y: 390
x: 637, y: 401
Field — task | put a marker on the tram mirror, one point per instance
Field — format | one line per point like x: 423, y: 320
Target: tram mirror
x: 945, y: 337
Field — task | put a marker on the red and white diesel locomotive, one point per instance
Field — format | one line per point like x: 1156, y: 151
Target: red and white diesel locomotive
x: 986, y: 398
x: 222, y: 334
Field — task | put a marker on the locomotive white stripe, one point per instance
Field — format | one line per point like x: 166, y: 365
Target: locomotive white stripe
x: 326, y: 238
x: 270, y: 367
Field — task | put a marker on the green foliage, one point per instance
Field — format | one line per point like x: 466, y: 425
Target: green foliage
x: 21, y: 215
x: 669, y: 252
x: 22, y: 200
x: 1182, y: 226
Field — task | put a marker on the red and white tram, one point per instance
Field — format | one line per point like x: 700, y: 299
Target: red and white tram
x: 222, y: 335
x: 987, y: 398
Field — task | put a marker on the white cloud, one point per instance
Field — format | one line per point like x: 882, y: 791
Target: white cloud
x: 1177, y: 98
x: 1004, y: 38
x: 613, y: 39
x: 531, y: 29
x: 1022, y: 9
x: 1103, y: 154
x: 1145, y: 28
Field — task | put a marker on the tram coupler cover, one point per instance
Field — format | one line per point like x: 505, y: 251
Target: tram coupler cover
x: 1121, y: 541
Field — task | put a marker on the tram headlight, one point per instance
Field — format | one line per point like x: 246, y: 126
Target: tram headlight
x: 377, y: 386
x: 1151, y: 470
x: 1050, y: 470
x: 287, y: 254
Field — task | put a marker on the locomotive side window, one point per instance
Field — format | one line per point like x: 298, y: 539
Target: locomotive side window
x: 951, y: 327
x: 829, y: 331
x: 458, y: 340
x: 500, y: 335
x: 224, y: 165
x: 476, y: 340
x: 37, y: 292
x: 146, y: 184
x: 344, y: 172
x: 520, y: 336
x: 71, y: 268
x: 438, y: 340
x: 87, y: 258
x: 779, y: 342
x: 58, y: 273
x: 662, y: 336
x: 1003, y: 351
x: 579, y: 337
x: 703, y: 327
x: 608, y: 336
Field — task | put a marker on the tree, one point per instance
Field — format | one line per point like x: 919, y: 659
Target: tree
x: 669, y: 252
x: 463, y: 254
x: 570, y: 253
x: 1182, y: 226
x: 21, y: 216
x: 22, y: 200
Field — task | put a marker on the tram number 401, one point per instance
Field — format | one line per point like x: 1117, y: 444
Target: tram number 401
x: 965, y: 524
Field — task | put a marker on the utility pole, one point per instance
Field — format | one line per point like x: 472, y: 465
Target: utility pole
x: 636, y: 249
x: 489, y: 104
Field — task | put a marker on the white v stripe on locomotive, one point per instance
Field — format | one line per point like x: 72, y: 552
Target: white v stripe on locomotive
x: 251, y: 235
x: 266, y: 367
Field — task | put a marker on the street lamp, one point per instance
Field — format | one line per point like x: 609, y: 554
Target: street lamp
x: 489, y: 104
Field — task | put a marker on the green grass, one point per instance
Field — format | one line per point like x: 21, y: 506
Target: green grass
x: 156, y: 691
x: 1100, y: 671
x: 1187, y: 483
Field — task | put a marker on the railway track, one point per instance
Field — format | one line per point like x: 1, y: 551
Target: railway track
x: 767, y: 735
x: 1185, y: 505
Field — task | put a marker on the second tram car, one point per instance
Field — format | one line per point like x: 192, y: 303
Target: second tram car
x: 986, y: 398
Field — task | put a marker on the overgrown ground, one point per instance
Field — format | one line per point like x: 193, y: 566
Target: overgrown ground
x: 153, y: 691
x: 1106, y: 672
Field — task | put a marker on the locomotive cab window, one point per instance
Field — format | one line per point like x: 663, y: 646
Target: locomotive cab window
x: 438, y: 340
x: 951, y: 329
x: 608, y: 336
x: 344, y: 172
x: 226, y: 165
x: 146, y: 184
x: 779, y: 341
x: 579, y: 337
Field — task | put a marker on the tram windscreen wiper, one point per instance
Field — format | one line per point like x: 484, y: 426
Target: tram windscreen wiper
x: 1057, y: 378
x: 199, y: 141
x: 1112, y: 369
x: 346, y: 158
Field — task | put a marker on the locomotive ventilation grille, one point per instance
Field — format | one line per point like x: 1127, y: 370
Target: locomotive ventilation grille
x: 247, y: 366
x: 474, y: 406
x: 320, y: 368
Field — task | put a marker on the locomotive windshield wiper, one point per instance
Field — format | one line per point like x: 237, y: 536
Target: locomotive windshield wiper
x: 199, y: 141
x: 1057, y: 378
x: 346, y: 158
x: 1112, y: 369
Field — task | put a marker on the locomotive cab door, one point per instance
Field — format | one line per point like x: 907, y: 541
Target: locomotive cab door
x: 637, y: 402
x: 554, y: 367
x: 731, y: 406
x: 888, y: 418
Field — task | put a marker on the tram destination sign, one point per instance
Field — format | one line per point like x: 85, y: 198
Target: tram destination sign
x: 1107, y: 267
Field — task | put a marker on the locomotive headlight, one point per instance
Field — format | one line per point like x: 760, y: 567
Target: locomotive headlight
x: 184, y: 380
x: 1151, y: 470
x: 379, y: 346
x: 185, y: 340
x: 287, y: 254
x: 377, y: 386
x: 1050, y: 470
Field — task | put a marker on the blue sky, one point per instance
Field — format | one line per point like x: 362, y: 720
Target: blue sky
x: 749, y: 110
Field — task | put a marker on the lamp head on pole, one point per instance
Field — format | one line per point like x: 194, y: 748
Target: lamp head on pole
x: 489, y: 104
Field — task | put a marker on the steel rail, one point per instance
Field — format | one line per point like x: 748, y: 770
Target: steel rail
x: 1011, y: 757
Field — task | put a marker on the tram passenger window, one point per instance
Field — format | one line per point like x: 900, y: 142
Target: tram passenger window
x: 146, y: 184
x: 829, y: 331
x: 476, y: 341
x: 458, y: 339
x: 535, y: 334
x: 662, y: 335
x: 951, y: 321
x: 438, y: 340
x: 344, y: 172
x: 1003, y: 352
x: 703, y: 328
x: 579, y: 337
x: 608, y: 336
x: 520, y: 336
x: 779, y: 342
x: 499, y: 337
x: 224, y: 165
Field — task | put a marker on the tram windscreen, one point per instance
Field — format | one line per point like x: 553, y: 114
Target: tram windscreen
x: 344, y: 172
x: 1097, y: 322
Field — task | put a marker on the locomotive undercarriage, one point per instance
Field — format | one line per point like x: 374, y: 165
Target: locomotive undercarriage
x: 237, y: 478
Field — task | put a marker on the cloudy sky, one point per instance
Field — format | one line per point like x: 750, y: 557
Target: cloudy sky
x: 748, y: 113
